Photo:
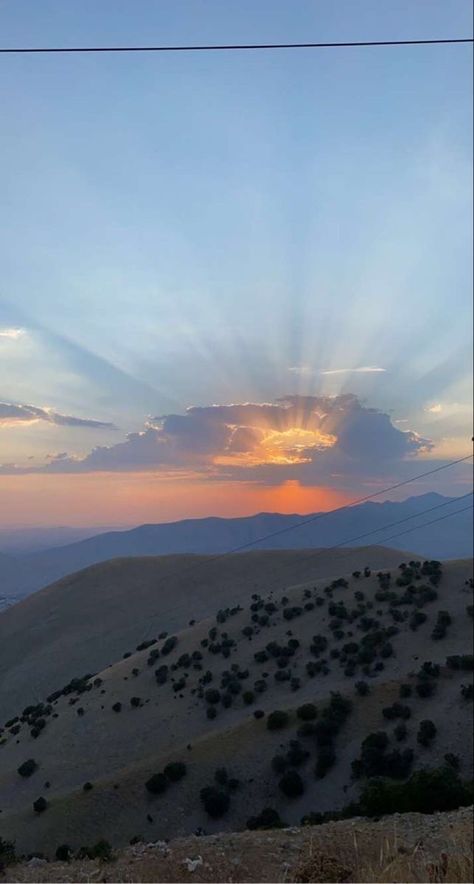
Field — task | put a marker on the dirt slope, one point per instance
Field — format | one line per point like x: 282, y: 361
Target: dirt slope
x: 86, y: 741
x: 87, y: 620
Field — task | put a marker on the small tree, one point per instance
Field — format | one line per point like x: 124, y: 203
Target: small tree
x: 291, y: 784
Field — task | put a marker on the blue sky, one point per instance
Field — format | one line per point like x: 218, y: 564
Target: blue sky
x: 191, y: 230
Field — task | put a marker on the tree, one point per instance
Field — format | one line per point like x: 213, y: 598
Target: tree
x: 291, y: 784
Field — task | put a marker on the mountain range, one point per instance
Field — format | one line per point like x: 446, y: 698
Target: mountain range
x: 374, y: 523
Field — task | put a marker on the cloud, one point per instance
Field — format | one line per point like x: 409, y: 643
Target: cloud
x: 14, y: 415
x: 12, y: 334
x: 306, y: 370
x: 364, y: 369
x: 307, y: 437
x: 435, y: 409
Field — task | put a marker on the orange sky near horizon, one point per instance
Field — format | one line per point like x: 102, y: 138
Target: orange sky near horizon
x: 104, y: 498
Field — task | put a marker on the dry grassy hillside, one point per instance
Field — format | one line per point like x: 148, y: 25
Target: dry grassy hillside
x: 201, y: 700
x: 85, y: 621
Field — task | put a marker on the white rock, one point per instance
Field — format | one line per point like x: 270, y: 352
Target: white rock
x: 192, y: 864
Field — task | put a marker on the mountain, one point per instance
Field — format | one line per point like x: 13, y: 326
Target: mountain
x: 449, y: 538
x: 239, y: 677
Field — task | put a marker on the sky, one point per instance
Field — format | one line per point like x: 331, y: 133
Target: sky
x: 232, y: 282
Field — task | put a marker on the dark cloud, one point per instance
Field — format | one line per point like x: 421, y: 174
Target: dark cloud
x: 311, y: 438
x: 11, y: 414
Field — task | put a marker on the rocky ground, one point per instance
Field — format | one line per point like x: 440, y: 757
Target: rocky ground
x: 408, y: 847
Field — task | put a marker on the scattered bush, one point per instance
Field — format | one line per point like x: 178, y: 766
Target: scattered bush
x: 267, y: 819
x: 307, y: 712
x: 27, y: 768
x: 175, y: 771
x: 277, y: 720
x: 362, y: 688
x: 63, y: 853
x: 216, y: 802
x: 157, y: 784
x: 291, y: 784
x: 426, y: 732
x: 40, y: 805
x: 427, y: 791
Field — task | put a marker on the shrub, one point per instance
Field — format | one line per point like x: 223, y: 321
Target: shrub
x: 135, y: 702
x: 216, y: 802
x: 169, y: 645
x: 467, y: 691
x: 7, y: 853
x: 87, y: 787
x: 461, y: 661
x: 396, y: 710
x: 426, y: 732
x: 157, y: 784
x: 259, y: 713
x: 425, y: 689
x: 325, y: 760
x: 406, y: 690
x: 267, y: 819
x: 277, y: 720
x: 362, y: 688
x: 291, y: 784
x: 427, y: 791
x: 117, y: 707
x: 63, y: 853
x: 175, y: 771
x: 211, y: 712
x: 27, y: 768
x: 101, y: 850
x: 307, y: 712
x: 248, y: 697
x: 212, y: 696
x: 40, y: 805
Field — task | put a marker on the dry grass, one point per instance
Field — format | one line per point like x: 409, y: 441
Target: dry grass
x: 393, y: 863
x: 408, y: 848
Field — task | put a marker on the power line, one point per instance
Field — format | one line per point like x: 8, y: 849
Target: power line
x: 194, y: 566
x: 335, y: 546
x: 392, y: 525
x: 228, y: 47
x: 338, y: 509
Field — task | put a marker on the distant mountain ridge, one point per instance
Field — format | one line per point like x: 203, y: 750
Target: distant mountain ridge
x: 450, y: 538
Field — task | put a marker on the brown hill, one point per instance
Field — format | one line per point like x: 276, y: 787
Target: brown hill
x: 138, y: 715
x: 87, y: 620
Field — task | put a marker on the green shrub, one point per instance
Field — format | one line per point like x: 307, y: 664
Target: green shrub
x: 216, y: 802
x: 307, y: 712
x: 175, y: 771
x: 427, y: 791
x: 267, y: 819
x: 7, y: 853
x: 291, y: 784
x: 40, y: 805
x: 426, y: 732
x: 101, y: 850
x: 63, y: 853
x: 157, y: 784
x: 27, y: 768
x: 277, y: 720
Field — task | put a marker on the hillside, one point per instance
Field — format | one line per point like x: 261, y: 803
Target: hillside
x: 192, y: 699
x: 451, y: 538
x: 88, y: 620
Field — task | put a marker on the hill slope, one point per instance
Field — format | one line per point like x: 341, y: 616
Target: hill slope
x: 451, y: 538
x: 89, y: 619
x: 134, y: 717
